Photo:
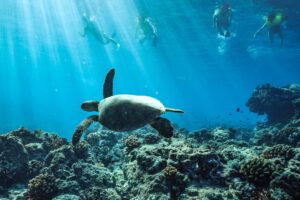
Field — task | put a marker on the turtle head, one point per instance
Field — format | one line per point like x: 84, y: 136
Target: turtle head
x: 90, y: 106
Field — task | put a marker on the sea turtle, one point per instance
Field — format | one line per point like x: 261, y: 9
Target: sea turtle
x: 125, y: 112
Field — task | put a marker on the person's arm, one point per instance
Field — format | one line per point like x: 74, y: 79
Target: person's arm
x: 154, y: 30
x: 259, y: 30
x: 230, y: 15
x: 83, y: 33
x: 215, y: 16
x: 137, y: 27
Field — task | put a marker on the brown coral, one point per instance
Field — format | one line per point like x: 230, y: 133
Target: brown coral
x: 81, y: 149
x: 279, y: 151
x: 258, y: 171
x: 132, y: 142
x: 42, y: 187
x: 170, y: 172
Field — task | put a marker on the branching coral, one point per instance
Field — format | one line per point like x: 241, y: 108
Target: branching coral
x: 258, y: 171
x: 132, y: 142
x: 170, y: 172
x: 42, y: 187
x: 279, y: 151
x: 175, y: 181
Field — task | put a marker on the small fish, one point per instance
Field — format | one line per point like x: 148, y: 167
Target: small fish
x: 238, y: 110
x: 230, y: 114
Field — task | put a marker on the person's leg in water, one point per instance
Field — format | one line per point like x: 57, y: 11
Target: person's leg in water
x: 271, y: 36
x: 226, y: 30
x: 142, y: 40
x: 111, y: 40
x: 154, y: 39
x: 280, y: 34
x: 220, y: 29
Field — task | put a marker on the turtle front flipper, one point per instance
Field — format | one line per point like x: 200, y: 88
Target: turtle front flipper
x: 163, y: 126
x: 108, y: 84
x: 82, y: 127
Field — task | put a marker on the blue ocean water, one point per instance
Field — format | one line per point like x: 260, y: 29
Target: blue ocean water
x: 47, y: 69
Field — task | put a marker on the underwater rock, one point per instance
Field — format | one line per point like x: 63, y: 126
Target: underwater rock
x: 105, y: 147
x: 243, y: 191
x: 218, y: 134
x: 34, y: 168
x: 67, y: 197
x: 221, y: 134
x: 88, y: 175
x: 279, y: 194
x: 151, y: 138
x: 289, y: 179
x: 13, y: 161
x: 61, y: 157
x: 288, y: 135
x: 26, y: 136
x: 279, y: 104
x: 99, y: 194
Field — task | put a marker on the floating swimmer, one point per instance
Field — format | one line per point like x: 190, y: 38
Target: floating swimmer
x: 222, y: 19
x: 125, y: 112
x: 146, y: 26
x: 93, y: 28
x: 273, y: 22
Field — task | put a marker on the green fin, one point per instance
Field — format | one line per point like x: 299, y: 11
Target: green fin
x: 82, y: 127
x: 108, y: 84
x: 163, y: 126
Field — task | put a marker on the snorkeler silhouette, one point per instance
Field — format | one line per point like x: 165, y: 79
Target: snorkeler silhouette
x: 92, y: 28
x: 222, y: 19
x: 145, y: 25
x: 273, y: 22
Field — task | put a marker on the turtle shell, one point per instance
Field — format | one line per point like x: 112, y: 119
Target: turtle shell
x: 128, y: 112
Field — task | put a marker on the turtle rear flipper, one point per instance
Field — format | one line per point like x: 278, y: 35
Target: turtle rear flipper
x: 82, y: 127
x: 108, y: 84
x: 163, y: 126
x: 174, y: 110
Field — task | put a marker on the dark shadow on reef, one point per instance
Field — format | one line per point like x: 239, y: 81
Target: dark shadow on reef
x: 219, y: 163
x: 279, y: 104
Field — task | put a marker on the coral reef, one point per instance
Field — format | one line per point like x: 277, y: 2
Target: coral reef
x: 142, y: 165
x: 258, y: 171
x: 13, y: 160
x: 279, y: 151
x: 42, y: 187
x: 279, y: 104
x: 217, y: 163
x: 131, y: 142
